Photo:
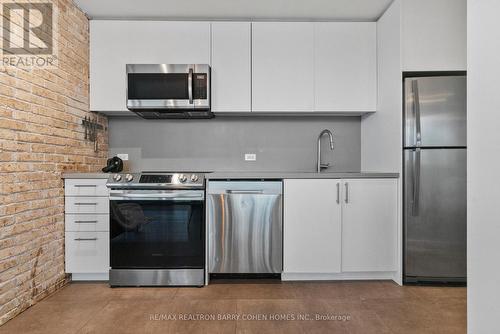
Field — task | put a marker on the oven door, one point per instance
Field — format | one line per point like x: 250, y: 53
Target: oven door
x: 168, y: 86
x: 161, y: 229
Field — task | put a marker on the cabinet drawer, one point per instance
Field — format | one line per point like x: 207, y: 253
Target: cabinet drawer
x: 86, y: 187
x: 87, y: 252
x: 86, y: 205
x: 86, y: 222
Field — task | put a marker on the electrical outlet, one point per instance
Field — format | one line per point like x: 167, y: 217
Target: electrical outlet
x: 250, y: 157
x: 123, y: 156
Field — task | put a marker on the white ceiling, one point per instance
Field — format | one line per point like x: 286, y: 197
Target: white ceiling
x: 356, y: 10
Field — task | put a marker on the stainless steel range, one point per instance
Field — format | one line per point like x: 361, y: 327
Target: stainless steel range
x: 157, y: 229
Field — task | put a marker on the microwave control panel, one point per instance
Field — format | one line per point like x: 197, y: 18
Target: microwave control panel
x: 200, y: 86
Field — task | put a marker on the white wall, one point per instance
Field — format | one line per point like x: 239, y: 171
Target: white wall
x: 381, y: 132
x: 434, y: 35
x: 483, y: 109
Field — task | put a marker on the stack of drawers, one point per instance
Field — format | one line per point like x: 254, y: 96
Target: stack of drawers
x: 87, y: 229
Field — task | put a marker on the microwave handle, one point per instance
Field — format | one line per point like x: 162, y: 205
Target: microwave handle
x: 190, y: 86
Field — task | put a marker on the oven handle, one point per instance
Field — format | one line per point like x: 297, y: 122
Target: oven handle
x: 156, y: 197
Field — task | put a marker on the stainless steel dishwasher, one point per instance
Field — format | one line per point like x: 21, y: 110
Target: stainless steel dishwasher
x: 245, y: 227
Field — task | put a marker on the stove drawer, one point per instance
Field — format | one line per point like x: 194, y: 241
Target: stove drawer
x: 86, y: 205
x: 86, y: 187
x: 87, y: 222
x: 87, y: 252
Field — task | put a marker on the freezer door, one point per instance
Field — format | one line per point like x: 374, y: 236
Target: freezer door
x: 435, y: 111
x: 435, y: 214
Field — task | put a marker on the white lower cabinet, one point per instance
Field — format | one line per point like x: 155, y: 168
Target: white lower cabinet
x: 86, y: 229
x: 87, y: 252
x: 340, y: 229
x: 86, y: 222
x: 86, y: 205
x: 369, y: 225
x: 312, y: 226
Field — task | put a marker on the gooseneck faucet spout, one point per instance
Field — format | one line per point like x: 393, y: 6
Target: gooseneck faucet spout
x: 321, y: 166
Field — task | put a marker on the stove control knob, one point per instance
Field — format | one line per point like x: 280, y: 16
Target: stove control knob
x: 129, y: 177
x: 117, y: 177
x: 182, y: 178
x: 194, y: 178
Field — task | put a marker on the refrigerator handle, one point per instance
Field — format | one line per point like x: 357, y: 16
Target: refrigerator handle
x: 416, y: 183
x: 416, y: 108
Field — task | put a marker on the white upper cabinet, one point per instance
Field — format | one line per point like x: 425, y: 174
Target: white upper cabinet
x: 369, y: 225
x: 434, y: 35
x: 324, y: 67
x: 113, y: 44
x: 345, y: 66
x: 260, y: 67
x: 282, y: 66
x: 231, y: 67
x: 312, y: 226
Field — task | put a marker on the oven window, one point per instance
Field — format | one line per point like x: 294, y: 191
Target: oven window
x: 158, y: 86
x: 153, y: 234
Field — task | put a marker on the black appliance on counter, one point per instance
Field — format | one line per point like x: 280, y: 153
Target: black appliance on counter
x: 113, y: 165
x: 157, y: 229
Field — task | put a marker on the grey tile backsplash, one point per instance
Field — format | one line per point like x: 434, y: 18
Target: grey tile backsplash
x: 220, y: 144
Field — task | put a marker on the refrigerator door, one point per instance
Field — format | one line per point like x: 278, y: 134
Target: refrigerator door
x: 435, y: 111
x: 435, y: 214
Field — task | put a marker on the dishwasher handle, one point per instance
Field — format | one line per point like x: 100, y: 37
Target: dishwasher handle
x: 245, y: 192
x: 245, y: 188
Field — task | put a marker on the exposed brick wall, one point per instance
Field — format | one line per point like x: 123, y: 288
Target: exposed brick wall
x: 41, y: 136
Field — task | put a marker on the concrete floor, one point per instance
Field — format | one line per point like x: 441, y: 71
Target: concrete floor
x: 360, y: 307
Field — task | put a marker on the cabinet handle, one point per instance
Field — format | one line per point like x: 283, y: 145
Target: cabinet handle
x: 338, y: 193
x: 85, y: 221
x: 347, y: 192
x: 86, y: 203
x: 85, y: 239
x: 85, y: 186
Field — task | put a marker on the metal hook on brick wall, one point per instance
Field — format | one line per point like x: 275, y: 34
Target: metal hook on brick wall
x: 91, y: 128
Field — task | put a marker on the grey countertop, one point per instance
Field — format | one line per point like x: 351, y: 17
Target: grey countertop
x: 76, y: 175
x: 262, y: 175
x: 299, y: 175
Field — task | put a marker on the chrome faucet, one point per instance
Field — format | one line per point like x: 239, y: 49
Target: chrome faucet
x: 320, y: 165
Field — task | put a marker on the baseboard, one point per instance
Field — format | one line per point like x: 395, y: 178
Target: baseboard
x: 90, y: 276
x: 382, y: 275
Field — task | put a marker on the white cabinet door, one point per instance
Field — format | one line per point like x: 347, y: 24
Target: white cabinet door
x: 113, y: 44
x: 231, y: 66
x: 345, y: 66
x: 87, y: 252
x: 282, y: 66
x: 434, y: 35
x: 312, y: 226
x: 94, y: 222
x: 369, y: 225
x: 86, y: 187
x: 86, y: 205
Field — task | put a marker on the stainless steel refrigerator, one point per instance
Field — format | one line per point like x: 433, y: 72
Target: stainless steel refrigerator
x: 435, y: 196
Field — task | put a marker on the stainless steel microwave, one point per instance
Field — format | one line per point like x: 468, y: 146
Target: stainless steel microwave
x: 169, y: 90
